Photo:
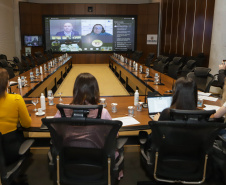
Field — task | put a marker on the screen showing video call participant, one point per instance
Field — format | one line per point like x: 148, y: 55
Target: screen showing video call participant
x: 68, y: 31
x: 98, y: 29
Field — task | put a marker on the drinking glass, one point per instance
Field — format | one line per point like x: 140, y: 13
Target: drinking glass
x: 50, y: 97
x: 35, y: 101
x: 60, y: 99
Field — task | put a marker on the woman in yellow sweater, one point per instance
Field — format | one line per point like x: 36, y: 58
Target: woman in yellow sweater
x: 12, y: 111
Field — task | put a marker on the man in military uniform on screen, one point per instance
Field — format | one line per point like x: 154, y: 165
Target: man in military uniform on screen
x: 68, y: 31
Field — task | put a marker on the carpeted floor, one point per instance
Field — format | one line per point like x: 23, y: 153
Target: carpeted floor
x: 108, y: 83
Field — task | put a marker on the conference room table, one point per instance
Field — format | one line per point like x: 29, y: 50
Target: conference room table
x: 134, y: 79
x: 137, y: 80
x: 42, y: 82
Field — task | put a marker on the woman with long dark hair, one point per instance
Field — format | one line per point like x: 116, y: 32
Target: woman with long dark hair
x: 184, y: 98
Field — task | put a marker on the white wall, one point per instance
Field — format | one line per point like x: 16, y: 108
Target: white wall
x: 7, y: 37
x: 218, y: 42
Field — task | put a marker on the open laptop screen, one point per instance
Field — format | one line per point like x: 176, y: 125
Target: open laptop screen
x: 158, y: 104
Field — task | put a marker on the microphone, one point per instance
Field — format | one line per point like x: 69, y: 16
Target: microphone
x: 145, y: 105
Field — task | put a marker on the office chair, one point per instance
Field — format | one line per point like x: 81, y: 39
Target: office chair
x: 136, y: 55
x: 4, y: 64
x: 18, y: 64
x: 32, y: 60
x: 25, y: 62
x: 162, y: 65
x: 202, y: 77
x: 188, y: 67
x: 174, y: 67
x: 84, y: 148
x: 155, y: 63
x: 12, y: 171
x: 178, y: 150
x: 40, y: 58
x: 148, y: 60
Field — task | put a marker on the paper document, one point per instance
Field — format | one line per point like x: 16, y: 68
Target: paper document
x: 207, y: 98
x: 203, y: 94
x: 127, y: 120
x: 211, y: 107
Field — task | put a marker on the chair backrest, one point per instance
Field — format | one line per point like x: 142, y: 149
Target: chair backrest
x: 149, y: 59
x: 79, y: 110
x: 2, y: 56
x: 163, y: 65
x: 136, y: 55
x: 29, y: 56
x: 188, y: 67
x: 180, y: 149
x: 174, y: 67
x: 202, y: 77
x: 18, y: 64
x: 40, y: 58
x: 4, y: 64
x: 25, y: 62
x: 85, y: 148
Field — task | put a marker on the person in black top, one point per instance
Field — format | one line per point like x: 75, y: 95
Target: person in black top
x: 184, y: 97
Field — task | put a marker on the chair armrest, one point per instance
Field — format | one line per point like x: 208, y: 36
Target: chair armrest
x: 25, y: 146
x: 143, y: 137
x: 121, y: 142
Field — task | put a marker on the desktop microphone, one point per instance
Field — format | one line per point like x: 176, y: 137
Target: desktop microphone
x: 145, y: 105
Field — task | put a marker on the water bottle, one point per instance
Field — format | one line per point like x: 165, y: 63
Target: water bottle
x: 19, y: 83
x: 156, y: 79
x: 136, y: 98
x: 43, y: 101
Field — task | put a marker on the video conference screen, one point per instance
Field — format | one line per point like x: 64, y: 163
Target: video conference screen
x: 90, y: 34
x: 32, y: 40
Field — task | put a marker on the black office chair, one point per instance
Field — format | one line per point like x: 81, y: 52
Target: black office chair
x: 84, y: 148
x: 162, y: 65
x: 202, y: 77
x: 40, y: 58
x: 188, y: 67
x: 4, y: 64
x: 12, y: 171
x: 136, y: 55
x: 174, y: 67
x: 25, y: 62
x: 148, y: 60
x: 18, y: 64
x: 32, y: 60
x: 178, y: 150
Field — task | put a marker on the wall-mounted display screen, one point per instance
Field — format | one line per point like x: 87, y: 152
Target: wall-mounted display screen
x: 90, y: 34
x: 32, y: 40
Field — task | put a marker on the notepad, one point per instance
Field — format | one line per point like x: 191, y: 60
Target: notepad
x: 127, y: 120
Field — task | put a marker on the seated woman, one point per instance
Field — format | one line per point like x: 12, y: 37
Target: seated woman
x: 86, y: 92
x: 12, y: 111
x: 184, y: 98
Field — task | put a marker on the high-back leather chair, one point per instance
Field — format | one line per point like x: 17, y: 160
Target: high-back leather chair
x: 162, y: 65
x: 179, y: 150
x: 25, y: 62
x: 202, y: 77
x: 84, y: 148
x: 18, y: 64
x: 174, y: 67
x: 188, y: 67
x: 4, y: 64
x: 148, y: 60
x: 32, y: 60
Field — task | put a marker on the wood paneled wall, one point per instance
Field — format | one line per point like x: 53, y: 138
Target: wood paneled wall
x: 186, y: 27
x: 147, y: 14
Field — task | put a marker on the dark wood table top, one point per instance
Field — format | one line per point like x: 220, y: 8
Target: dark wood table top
x: 32, y: 85
x: 167, y: 82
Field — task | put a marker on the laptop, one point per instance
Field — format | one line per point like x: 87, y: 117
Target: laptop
x: 158, y: 104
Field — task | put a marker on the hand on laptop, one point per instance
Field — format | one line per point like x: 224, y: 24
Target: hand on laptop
x: 156, y: 117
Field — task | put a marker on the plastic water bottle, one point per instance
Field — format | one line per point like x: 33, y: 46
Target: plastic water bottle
x: 40, y: 69
x: 19, y: 83
x: 136, y: 98
x: 156, y: 78
x: 43, y: 101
